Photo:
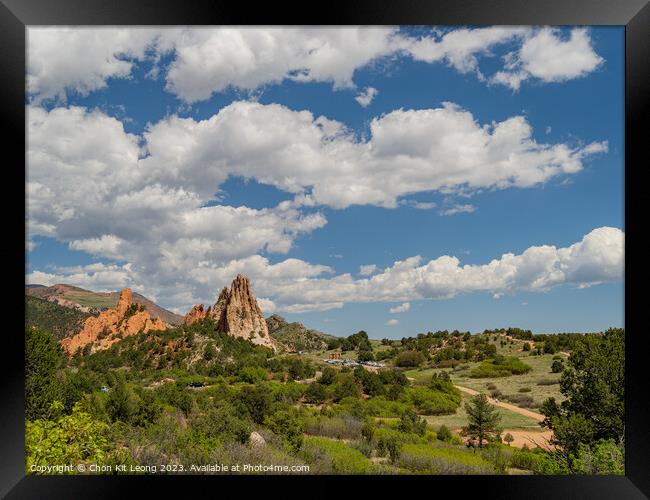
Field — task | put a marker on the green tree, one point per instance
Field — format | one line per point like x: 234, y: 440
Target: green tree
x: 257, y: 401
x: 316, y: 393
x: 443, y: 433
x: 219, y: 420
x: 43, y: 358
x: 394, y: 447
x: 252, y: 374
x: 346, y: 386
x: 288, y: 424
x: 328, y: 377
x: 411, y: 422
x: 368, y: 430
x: 365, y: 355
x: 483, y: 419
x: 71, y: 439
x: 210, y: 352
x: 121, y: 403
x: 594, y: 386
x: 569, y: 432
x: 604, y: 457
x: 409, y: 359
x: 508, y: 438
x: 557, y: 366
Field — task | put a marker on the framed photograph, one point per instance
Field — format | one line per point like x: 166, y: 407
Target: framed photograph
x: 383, y: 243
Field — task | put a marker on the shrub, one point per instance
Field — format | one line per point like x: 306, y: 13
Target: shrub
x: 604, y: 457
x: 411, y: 422
x: 394, y: 449
x: 442, y: 460
x: 522, y: 400
x: 289, y: 425
x: 252, y: 374
x: 444, y: 434
x: 290, y: 392
x: 409, y: 359
x: 316, y: 393
x: 121, y: 403
x: 328, y: 456
x: 429, y: 402
x: 328, y: 377
x: 557, y: 366
x: 498, y: 455
x: 547, y: 381
x: 524, y: 459
x: 365, y: 355
x: 381, y: 407
x: 500, y: 367
x: 346, y: 386
x: 219, y: 420
x: 339, y: 427
x: 524, y: 389
x: 72, y: 439
x: 257, y: 401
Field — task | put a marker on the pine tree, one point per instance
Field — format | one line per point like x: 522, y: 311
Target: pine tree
x: 483, y: 419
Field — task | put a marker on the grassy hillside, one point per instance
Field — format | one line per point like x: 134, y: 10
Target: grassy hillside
x: 60, y: 321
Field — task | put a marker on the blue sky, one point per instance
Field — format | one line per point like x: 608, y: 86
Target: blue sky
x: 575, y: 106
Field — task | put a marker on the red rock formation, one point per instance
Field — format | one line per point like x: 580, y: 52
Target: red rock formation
x: 111, y: 325
x: 196, y: 314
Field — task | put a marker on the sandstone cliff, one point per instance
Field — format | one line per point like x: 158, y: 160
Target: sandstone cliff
x: 236, y: 313
x: 104, y: 330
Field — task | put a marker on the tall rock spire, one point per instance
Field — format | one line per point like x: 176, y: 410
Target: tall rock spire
x: 237, y: 313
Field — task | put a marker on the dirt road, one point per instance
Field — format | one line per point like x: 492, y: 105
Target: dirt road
x: 529, y: 438
x: 522, y: 411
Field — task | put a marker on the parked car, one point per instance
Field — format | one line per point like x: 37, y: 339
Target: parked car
x: 196, y: 384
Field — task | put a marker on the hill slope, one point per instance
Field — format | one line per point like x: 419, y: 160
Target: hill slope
x: 59, y: 320
x: 94, y: 302
x: 295, y: 336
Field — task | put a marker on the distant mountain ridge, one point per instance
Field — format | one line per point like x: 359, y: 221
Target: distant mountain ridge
x: 94, y: 302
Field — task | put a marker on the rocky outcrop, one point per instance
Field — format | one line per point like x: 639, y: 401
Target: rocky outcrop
x: 256, y: 439
x: 197, y: 313
x: 113, y: 324
x: 275, y: 322
x: 237, y: 313
x: 67, y: 303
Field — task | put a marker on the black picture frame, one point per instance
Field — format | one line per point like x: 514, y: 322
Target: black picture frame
x: 15, y: 15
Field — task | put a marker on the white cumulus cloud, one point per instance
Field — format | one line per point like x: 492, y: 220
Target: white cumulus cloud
x: 204, y: 61
x: 365, y: 97
x: 367, y: 270
x: 401, y: 308
x: 547, y: 57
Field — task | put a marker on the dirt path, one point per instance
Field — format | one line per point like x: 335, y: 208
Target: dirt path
x: 529, y: 438
x: 522, y: 411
